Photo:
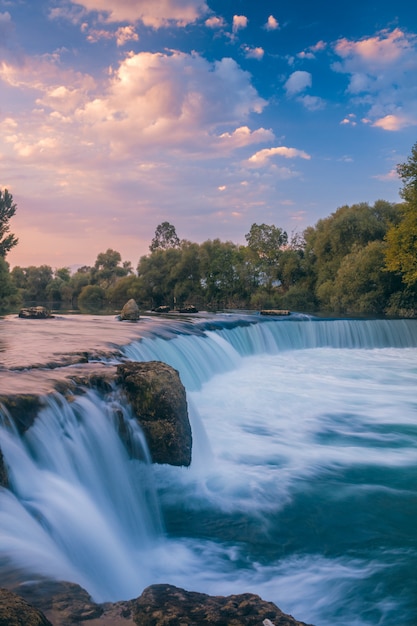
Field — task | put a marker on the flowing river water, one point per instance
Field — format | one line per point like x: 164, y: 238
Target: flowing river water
x: 302, y: 487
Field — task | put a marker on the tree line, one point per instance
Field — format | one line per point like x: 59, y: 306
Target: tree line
x: 362, y: 259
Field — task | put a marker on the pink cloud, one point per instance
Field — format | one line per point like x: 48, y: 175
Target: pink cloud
x: 272, y: 23
x: 154, y: 13
x: 393, y: 122
x: 239, y: 22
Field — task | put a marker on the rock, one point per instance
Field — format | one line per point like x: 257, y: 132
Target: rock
x: 130, y: 311
x: 162, y: 309
x: 4, y: 480
x: 22, y: 408
x: 35, y: 313
x: 61, y: 602
x: 189, y: 308
x: 275, y: 312
x: 15, y: 611
x: 68, y: 604
x: 158, y: 399
x: 166, y: 605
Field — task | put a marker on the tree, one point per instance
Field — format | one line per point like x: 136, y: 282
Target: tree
x: 91, y: 299
x: 7, y: 210
x: 7, y: 288
x: 401, y: 252
x: 265, y: 244
x: 107, y: 269
x: 165, y: 237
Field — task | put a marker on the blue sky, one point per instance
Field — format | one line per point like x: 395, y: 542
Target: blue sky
x: 209, y: 114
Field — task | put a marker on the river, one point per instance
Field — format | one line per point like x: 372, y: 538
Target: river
x: 302, y: 487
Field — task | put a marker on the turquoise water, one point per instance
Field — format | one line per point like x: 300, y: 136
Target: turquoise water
x: 302, y: 488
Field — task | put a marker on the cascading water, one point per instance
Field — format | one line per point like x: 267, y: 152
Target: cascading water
x: 303, y: 485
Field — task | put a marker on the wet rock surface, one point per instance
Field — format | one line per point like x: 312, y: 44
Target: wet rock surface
x: 67, y: 604
x: 15, y: 611
x: 158, y: 398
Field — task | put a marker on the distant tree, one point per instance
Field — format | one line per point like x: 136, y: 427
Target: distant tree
x: 265, y: 246
x: 401, y: 252
x: 344, y: 231
x: 7, y: 210
x: 91, y: 299
x: 108, y: 269
x: 33, y: 283
x: 266, y: 241
x: 7, y: 288
x: 165, y: 237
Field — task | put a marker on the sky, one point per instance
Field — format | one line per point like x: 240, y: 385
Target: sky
x: 209, y: 114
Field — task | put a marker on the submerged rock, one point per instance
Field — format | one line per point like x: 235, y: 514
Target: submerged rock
x: 158, y: 398
x: 130, y: 311
x: 275, y: 312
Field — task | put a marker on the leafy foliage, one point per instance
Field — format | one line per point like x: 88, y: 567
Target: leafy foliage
x: 7, y: 210
x: 401, y: 251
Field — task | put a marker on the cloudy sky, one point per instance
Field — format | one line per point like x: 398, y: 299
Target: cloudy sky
x: 209, y: 114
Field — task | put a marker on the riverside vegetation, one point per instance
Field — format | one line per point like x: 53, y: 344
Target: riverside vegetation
x: 362, y: 259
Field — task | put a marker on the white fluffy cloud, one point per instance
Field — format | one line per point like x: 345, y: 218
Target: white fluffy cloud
x: 261, y: 157
x: 155, y: 13
x: 297, y: 82
x: 381, y: 70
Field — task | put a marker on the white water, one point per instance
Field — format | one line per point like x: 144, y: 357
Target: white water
x: 303, y: 485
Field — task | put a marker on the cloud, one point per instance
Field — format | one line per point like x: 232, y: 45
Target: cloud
x: 349, y: 120
x: 297, y: 82
x: 388, y: 177
x: 215, y: 22
x: 312, y: 103
x: 380, y: 70
x: 272, y: 23
x: 243, y: 136
x: 261, y: 157
x: 125, y: 34
x: 239, y: 22
x: 253, y: 53
x: 394, y: 122
x: 176, y: 100
x: 154, y: 13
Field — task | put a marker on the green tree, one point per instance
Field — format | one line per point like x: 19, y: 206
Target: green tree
x: 7, y: 210
x: 361, y: 285
x: 7, y: 288
x: 334, y: 237
x: 265, y: 245
x: 108, y: 268
x: 165, y: 237
x: 33, y: 283
x: 401, y: 252
x: 91, y: 299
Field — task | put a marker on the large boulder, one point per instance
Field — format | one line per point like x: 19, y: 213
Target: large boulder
x: 15, y: 611
x: 130, y: 311
x: 158, y: 398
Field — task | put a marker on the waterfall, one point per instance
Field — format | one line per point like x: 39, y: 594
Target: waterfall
x: 78, y: 508
x: 209, y: 348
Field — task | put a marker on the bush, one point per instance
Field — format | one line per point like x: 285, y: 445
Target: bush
x: 91, y: 299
